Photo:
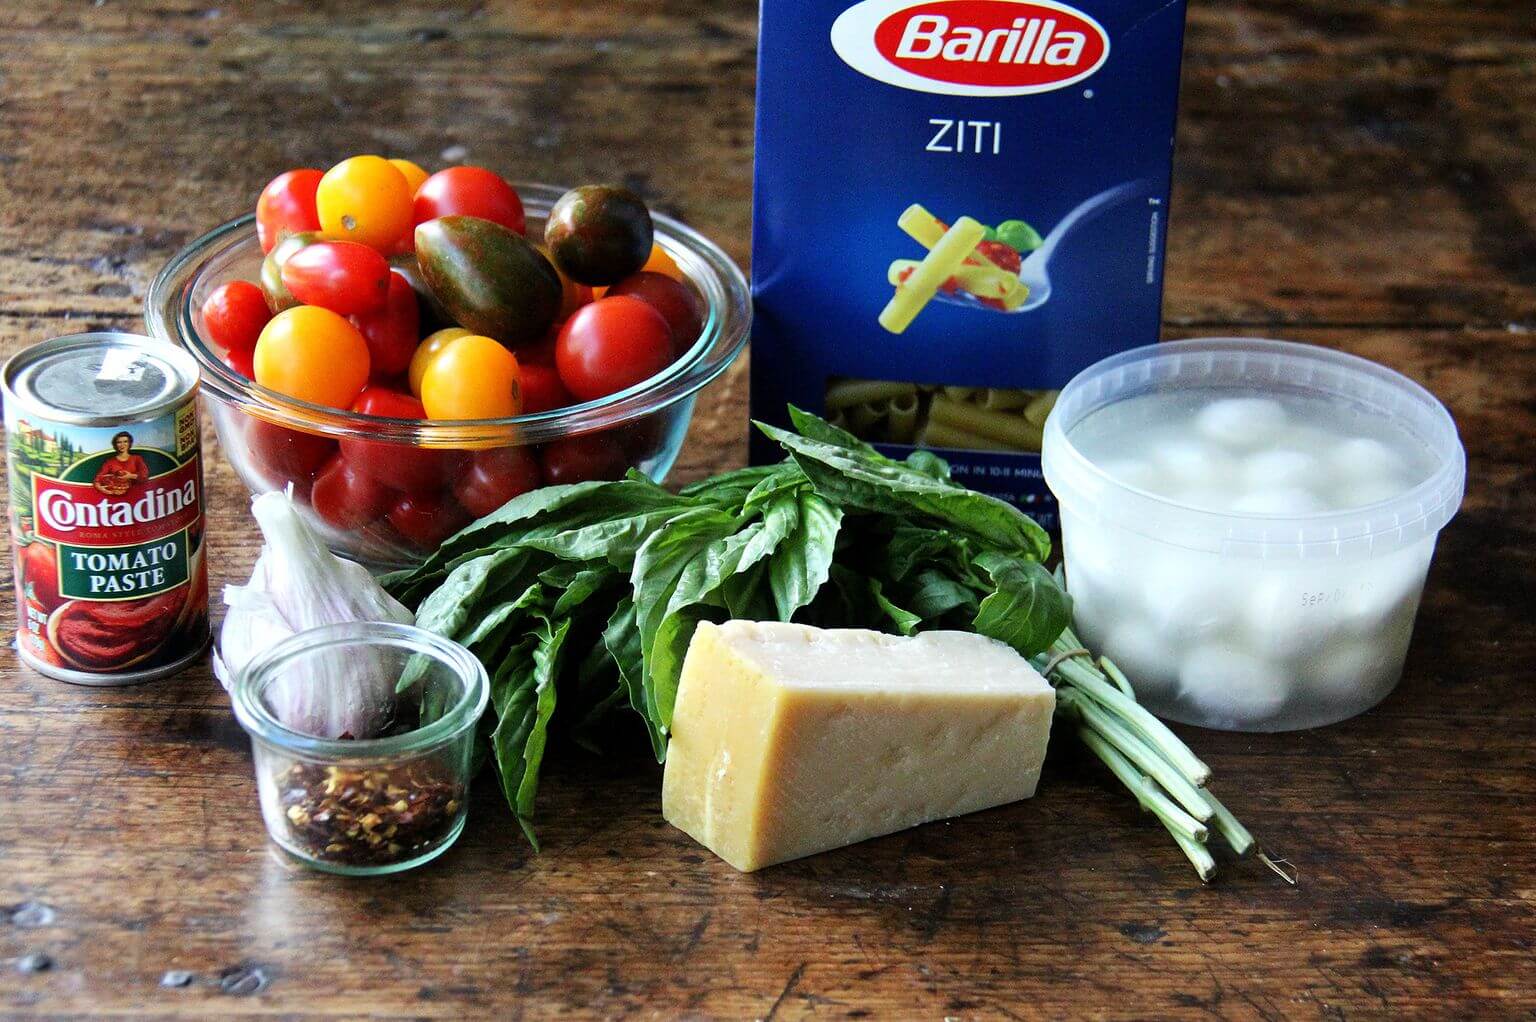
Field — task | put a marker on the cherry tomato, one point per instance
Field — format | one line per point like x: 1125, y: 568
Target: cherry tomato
x: 572, y: 295
x: 364, y: 199
x: 577, y: 459
x: 426, y: 520
x: 429, y: 349
x: 342, y: 276
x: 242, y: 362
x: 314, y: 355
x: 282, y: 455
x: 392, y: 330
x: 473, y: 377
x: 234, y: 315
x: 469, y: 191
x: 542, y: 389
x: 495, y: 477
x: 347, y: 498
x: 660, y: 262
x: 412, y: 172
x: 540, y: 352
x: 611, y: 344
x: 399, y: 466
x: 676, y: 302
x: 287, y: 206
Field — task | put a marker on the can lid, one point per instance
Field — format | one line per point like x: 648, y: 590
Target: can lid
x: 100, y: 378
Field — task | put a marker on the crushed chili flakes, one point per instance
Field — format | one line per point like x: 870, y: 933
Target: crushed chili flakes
x: 368, y: 816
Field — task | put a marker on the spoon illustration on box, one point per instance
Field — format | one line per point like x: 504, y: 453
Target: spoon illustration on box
x: 965, y: 267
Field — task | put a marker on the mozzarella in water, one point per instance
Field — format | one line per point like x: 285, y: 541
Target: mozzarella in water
x: 1232, y: 688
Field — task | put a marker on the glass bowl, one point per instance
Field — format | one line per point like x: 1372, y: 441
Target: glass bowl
x: 390, y: 799
x: 274, y: 441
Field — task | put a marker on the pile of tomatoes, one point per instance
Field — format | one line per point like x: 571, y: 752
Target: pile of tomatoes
x: 390, y: 292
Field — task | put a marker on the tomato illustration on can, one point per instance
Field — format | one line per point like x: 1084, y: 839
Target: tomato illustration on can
x: 103, y: 455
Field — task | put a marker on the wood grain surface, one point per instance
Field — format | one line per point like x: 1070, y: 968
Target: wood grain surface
x: 1354, y: 173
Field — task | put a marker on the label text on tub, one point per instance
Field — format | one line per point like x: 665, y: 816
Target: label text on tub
x: 971, y: 47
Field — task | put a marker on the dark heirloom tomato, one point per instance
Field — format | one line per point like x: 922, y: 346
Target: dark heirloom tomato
x: 425, y: 520
x: 490, y: 279
x: 542, y: 389
x: 610, y: 345
x: 495, y: 477
x: 342, y: 276
x: 285, y: 455
x: 287, y: 206
x: 234, y: 315
x: 399, y: 466
x: 676, y: 301
x: 470, y: 191
x: 599, y: 234
x: 392, y: 330
x: 577, y: 459
x: 347, y: 498
x: 433, y: 316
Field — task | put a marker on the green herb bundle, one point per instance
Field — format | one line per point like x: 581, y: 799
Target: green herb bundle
x: 588, y: 594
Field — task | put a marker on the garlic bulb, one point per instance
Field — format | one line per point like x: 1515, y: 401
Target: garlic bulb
x: 298, y: 584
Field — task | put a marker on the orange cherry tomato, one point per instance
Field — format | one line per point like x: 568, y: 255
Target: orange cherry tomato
x: 428, y: 350
x: 660, y: 262
x: 412, y: 173
x: 364, y: 199
x: 473, y: 377
x: 312, y: 354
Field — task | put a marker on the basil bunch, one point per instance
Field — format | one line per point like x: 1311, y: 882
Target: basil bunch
x: 587, y: 595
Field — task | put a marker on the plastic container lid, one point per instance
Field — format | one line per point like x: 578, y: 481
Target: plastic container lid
x: 1247, y: 365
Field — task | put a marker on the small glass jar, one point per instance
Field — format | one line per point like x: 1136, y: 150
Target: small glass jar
x: 383, y: 802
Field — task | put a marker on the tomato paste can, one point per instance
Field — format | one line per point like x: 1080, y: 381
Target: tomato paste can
x: 103, y: 457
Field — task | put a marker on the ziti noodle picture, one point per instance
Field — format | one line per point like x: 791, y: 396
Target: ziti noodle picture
x: 951, y: 418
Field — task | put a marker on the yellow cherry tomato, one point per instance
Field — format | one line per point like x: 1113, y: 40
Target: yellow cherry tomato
x: 365, y: 199
x: 660, y: 262
x: 312, y: 354
x: 473, y: 377
x: 412, y: 173
x: 429, y: 349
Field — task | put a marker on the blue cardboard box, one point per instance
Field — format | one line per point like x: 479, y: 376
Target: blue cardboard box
x: 958, y: 205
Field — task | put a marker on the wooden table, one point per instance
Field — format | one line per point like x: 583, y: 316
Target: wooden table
x: 1354, y: 173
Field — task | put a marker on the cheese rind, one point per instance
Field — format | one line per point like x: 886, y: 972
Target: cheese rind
x: 789, y: 740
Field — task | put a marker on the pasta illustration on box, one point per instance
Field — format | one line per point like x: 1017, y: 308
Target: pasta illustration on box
x: 922, y: 415
x: 967, y: 263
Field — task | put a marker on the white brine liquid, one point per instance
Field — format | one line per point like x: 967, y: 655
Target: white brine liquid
x: 1247, y: 642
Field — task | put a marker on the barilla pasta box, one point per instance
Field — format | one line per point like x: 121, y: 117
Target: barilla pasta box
x: 958, y: 205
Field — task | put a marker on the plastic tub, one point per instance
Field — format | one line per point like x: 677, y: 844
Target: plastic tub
x: 1249, y: 620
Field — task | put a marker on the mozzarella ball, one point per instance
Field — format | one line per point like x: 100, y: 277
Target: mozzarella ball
x: 1230, y: 688
x: 1241, y: 423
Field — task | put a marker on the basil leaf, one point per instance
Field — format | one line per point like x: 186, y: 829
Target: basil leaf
x: 1027, y: 610
x: 929, y: 464
x: 799, y: 567
x: 525, y: 701
x: 853, y: 478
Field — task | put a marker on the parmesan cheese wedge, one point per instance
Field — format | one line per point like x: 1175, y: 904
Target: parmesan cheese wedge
x: 789, y: 740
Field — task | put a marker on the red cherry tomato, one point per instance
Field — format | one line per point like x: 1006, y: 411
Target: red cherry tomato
x: 287, y: 206
x: 285, y: 455
x: 542, y: 389
x: 242, y: 362
x: 426, y: 520
x: 676, y: 301
x: 611, y: 344
x: 399, y: 466
x: 580, y: 458
x: 346, y: 498
x: 234, y: 315
x: 342, y: 276
x: 495, y: 477
x: 469, y: 191
x: 392, y: 330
